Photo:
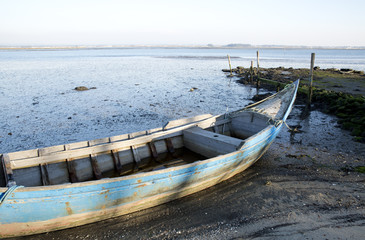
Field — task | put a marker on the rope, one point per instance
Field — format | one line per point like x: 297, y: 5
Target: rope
x: 277, y: 123
x: 288, y: 127
x: 8, y: 192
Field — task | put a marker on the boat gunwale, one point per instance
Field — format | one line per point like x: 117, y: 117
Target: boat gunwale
x: 151, y: 173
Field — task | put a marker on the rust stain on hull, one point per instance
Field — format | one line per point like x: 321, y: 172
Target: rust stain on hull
x: 68, y: 209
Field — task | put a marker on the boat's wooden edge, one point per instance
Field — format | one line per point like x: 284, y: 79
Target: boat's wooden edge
x: 82, y: 144
x: 145, y: 174
x: 184, y: 121
x: 74, y: 153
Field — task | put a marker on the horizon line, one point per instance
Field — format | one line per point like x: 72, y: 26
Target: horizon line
x: 207, y: 46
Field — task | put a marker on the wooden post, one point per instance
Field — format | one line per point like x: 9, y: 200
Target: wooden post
x: 310, y: 91
x: 230, y: 66
x: 258, y: 70
x: 251, y: 72
x: 258, y: 65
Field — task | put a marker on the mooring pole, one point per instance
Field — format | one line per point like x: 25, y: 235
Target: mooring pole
x: 251, y: 72
x: 258, y: 69
x: 310, y: 91
x: 230, y: 66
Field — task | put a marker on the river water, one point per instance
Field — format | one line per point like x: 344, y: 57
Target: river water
x: 135, y: 89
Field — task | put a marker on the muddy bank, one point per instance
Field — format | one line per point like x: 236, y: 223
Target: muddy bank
x: 340, y: 92
x: 338, y: 80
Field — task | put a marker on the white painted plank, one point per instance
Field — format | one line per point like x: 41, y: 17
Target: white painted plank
x: 209, y: 144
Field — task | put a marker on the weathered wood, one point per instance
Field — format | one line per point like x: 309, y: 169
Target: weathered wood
x: 116, y: 160
x: 310, y: 90
x: 71, y: 171
x: 77, y: 145
x: 247, y: 124
x: 84, y: 151
x: 258, y: 70
x: 180, y: 122
x: 169, y: 145
x: 152, y: 146
x: 251, y: 72
x: 8, y: 171
x: 99, y: 141
x: 44, y: 174
x: 136, y: 134
x: 230, y: 66
x: 215, y: 129
x: 48, y: 150
x: 137, y: 159
x: 23, y: 154
x: 209, y: 144
x: 96, y: 170
x: 119, y: 138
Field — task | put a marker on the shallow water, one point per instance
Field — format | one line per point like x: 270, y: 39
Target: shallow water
x: 40, y: 107
x: 136, y: 89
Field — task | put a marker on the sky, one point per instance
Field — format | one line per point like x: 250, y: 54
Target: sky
x: 182, y: 22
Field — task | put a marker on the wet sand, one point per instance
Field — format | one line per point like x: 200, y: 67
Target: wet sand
x: 304, y: 187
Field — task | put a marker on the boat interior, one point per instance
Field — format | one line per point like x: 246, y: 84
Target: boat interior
x: 178, y: 142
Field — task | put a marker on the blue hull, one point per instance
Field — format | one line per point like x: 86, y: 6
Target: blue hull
x: 38, y: 209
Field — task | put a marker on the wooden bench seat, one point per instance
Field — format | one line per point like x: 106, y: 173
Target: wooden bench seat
x: 209, y: 144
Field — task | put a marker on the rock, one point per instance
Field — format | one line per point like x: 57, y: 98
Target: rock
x: 81, y: 88
x: 193, y: 89
x: 285, y: 72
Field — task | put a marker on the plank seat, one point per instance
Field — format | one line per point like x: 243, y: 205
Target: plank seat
x: 209, y: 144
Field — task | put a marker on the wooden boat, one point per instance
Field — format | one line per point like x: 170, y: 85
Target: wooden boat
x: 64, y: 186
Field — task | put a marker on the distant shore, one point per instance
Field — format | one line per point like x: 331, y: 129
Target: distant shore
x: 208, y: 46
